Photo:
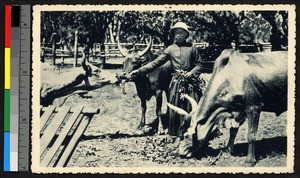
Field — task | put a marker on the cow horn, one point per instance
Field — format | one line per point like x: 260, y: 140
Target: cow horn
x: 87, y: 68
x: 84, y: 61
x: 142, y: 53
x: 192, y: 101
x: 122, y: 51
x: 178, y: 110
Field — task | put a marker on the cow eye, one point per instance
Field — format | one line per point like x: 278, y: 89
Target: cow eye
x: 224, y: 93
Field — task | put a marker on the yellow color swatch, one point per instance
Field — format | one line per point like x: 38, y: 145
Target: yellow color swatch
x: 7, y: 68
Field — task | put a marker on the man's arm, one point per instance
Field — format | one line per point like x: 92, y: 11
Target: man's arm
x: 160, y: 60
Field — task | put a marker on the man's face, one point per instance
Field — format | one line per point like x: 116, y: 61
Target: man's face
x: 180, y: 35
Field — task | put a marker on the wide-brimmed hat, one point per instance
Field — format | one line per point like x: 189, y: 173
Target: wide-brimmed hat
x: 181, y: 25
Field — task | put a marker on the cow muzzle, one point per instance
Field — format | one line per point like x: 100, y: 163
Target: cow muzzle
x: 121, y: 80
x: 220, y: 118
x: 204, y: 128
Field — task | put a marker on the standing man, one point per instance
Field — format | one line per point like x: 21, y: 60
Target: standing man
x: 186, y: 64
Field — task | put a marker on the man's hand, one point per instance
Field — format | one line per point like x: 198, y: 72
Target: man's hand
x: 133, y: 73
x: 188, y: 74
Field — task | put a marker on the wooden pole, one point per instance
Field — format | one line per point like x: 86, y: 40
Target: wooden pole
x: 43, y: 50
x: 62, y: 57
x: 102, y: 55
x: 76, y: 48
x: 53, y: 39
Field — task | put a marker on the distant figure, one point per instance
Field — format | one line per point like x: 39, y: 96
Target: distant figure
x: 233, y: 44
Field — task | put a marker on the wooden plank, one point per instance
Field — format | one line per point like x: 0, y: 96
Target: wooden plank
x: 52, y: 128
x: 51, y: 152
x: 80, y: 129
x: 88, y: 110
x: 48, y: 112
x: 85, y: 110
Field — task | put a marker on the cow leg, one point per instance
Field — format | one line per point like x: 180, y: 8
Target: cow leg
x: 240, y: 118
x: 253, y: 118
x: 144, y: 108
x: 233, y: 132
x: 93, y: 54
x: 159, y: 128
x: 88, y: 54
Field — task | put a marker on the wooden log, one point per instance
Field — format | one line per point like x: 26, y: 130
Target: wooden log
x: 74, y: 140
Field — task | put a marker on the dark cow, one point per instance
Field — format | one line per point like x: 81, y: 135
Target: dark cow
x: 242, y: 85
x: 148, y: 85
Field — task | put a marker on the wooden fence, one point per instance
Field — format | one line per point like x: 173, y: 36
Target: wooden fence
x: 208, y: 52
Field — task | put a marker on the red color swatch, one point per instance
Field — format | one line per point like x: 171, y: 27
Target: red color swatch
x: 7, y: 26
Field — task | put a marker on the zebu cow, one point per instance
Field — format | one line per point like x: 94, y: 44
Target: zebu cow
x: 57, y: 84
x: 148, y: 85
x: 242, y: 85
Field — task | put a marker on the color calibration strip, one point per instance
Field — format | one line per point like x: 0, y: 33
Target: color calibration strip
x: 7, y: 30
x: 17, y: 88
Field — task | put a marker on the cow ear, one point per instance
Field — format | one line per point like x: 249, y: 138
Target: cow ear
x: 221, y: 63
x: 142, y: 59
x: 223, y: 59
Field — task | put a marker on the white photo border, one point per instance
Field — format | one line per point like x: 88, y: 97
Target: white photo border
x: 36, y: 168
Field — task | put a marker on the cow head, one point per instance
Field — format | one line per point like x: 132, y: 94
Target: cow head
x: 136, y: 59
x: 222, y: 99
x: 90, y: 70
x: 223, y: 96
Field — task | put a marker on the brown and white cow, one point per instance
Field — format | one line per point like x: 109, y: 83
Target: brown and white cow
x: 241, y: 86
x: 148, y: 85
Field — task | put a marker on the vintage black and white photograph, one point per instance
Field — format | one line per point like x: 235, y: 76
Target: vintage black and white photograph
x: 163, y: 88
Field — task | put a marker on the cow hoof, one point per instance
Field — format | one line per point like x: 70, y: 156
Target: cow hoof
x: 140, y: 127
x: 185, y: 148
x: 162, y: 132
x: 249, y: 164
x: 229, y: 150
x: 139, y: 132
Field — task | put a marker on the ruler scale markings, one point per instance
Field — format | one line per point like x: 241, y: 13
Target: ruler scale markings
x: 24, y: 82
x: 25, y: 57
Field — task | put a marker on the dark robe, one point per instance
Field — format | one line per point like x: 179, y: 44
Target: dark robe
x: 184, y: 58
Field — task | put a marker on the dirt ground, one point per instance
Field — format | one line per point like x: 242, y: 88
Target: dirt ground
x: 111, y: 139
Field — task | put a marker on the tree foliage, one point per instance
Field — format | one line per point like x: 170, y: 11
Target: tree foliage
x: 91, y: 25
x: 214, y: 27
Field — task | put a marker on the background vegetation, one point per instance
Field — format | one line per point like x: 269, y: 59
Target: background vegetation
x: 213, y: 27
